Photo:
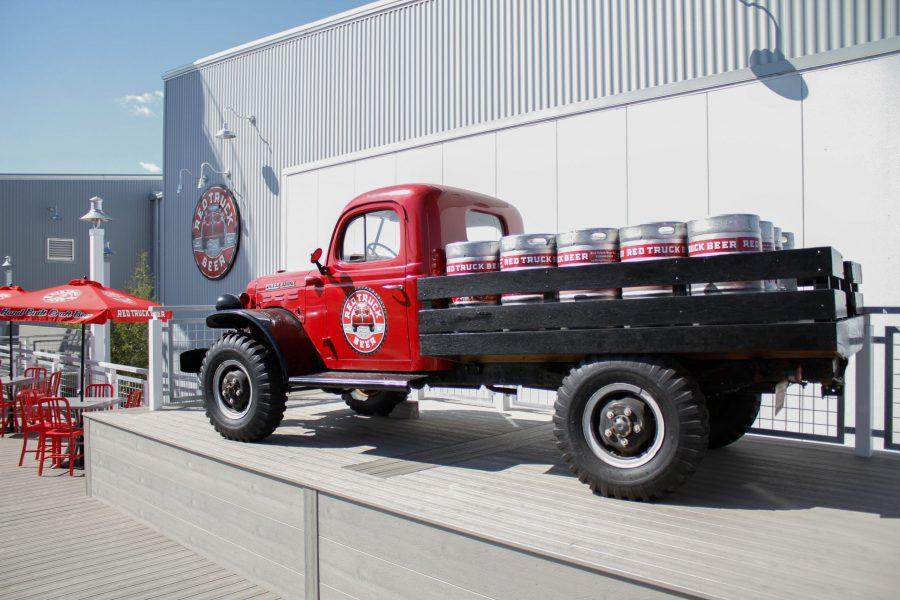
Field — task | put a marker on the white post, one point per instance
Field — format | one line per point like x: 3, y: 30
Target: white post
x: 11, y: 327
x: 100, y: 333
x: 155, y: 367
x: 865, y: 392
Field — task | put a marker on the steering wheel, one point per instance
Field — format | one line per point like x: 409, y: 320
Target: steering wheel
x: 373, y: 246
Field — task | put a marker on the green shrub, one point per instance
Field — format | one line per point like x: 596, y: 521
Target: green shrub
x: 129, y: 340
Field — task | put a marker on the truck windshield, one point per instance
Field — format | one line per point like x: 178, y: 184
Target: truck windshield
x: 371, y: 237
x: 483, y: 227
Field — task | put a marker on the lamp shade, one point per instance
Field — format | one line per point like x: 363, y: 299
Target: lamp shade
x: 96, y: 214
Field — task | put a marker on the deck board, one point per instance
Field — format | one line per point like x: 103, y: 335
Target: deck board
x: 55, y: 542
x: 763, y: 518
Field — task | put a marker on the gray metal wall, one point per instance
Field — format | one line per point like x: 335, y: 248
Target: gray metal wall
x: 26, y: 225
x: 396, y: 71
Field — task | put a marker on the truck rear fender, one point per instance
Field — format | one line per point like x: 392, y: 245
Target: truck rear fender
x: 279, y: 329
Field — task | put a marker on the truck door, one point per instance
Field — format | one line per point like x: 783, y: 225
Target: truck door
x: 366, y: 295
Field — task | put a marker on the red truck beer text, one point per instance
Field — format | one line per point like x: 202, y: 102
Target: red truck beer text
x: 723, y: 245
x: 527, y: 260
x: 658, y: 250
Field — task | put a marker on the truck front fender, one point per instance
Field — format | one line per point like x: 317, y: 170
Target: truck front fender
x: 280, y: 330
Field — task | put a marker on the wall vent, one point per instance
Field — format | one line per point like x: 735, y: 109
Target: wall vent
x: 60, y: 250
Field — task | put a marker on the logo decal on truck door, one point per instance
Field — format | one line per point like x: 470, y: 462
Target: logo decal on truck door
x: 364, y: 320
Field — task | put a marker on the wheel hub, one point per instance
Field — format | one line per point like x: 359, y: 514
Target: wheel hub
x: 624, y: 425
x: 233, y: 389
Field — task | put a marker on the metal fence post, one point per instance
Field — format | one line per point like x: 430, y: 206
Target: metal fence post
x: 155, y: 370
x: 865, y: 391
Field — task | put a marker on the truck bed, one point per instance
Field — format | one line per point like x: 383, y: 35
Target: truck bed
x: 819, y: 320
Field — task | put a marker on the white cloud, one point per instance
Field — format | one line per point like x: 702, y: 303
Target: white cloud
x: 142, y: 105
x: 150, y: 167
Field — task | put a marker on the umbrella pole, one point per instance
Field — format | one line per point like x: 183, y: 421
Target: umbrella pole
x: 81, y: 391
x: 10, y: 323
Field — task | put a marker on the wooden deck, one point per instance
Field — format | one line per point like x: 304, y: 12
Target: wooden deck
x: 467, y: 502
x: 55, y: 542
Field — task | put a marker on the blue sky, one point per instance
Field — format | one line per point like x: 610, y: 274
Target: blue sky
x: 80, y: 80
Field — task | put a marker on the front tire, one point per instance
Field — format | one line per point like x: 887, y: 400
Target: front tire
x: 731, y: 416
x: 631, y: 427
x: 243, y: 392
x: 374, y: 403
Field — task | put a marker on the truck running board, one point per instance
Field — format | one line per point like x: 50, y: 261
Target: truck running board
x: 349, y: 380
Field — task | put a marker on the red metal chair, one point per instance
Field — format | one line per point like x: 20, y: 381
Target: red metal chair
x: 99, y: 390
x: 51, y: 385
x: 60, y: 427
x: 30, y: 419
x: 7, y: 412
x: 135, y: 399
x: 39, y: 374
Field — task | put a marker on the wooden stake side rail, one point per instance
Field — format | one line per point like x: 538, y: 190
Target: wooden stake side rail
x: 823, y: 266
x: 767, y: 340
x: 713, y: 309
x: 818, y: 322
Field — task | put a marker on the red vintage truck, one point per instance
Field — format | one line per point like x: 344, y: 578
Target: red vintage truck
x: 645, y: 386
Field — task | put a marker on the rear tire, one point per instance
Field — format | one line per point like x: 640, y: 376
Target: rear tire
x: 243, y: 391
x: 730, y: 417
x: 652, y: 404
x: 373, y: 403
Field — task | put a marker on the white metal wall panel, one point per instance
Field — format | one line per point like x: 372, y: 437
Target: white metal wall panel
x: 403, y: 70
x: 471, y: 163
x: 667, y: 160
x: 336, y: 188
x: 300, y: 224
x: 592, y: 174
x: 851, y: 142
x: 526, y: 174
x: 375, y: 173
x: 421, y: 165
x: 756, y: 151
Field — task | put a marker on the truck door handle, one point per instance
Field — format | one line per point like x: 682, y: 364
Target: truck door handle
x: 392, y: 286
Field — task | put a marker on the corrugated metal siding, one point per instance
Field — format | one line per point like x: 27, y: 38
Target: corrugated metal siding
x: 26, y: 225
x: 430, y: 66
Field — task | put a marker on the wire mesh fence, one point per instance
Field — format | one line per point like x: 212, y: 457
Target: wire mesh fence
x: 186, y: 330
x: 892, y: 388
x: 806, y: 413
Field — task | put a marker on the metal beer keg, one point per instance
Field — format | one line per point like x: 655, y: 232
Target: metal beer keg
x: 587, y: 247
x: 767, y: 231
x: 652, y: 241
x: 724, y: 234
x: 465, y: 258
x: 526, y: 251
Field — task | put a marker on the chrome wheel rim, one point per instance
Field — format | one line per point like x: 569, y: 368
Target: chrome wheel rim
x: 621, y: 411
x: 232, y: 389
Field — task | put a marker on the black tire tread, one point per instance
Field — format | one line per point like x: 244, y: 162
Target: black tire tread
x: 694, y: 429
x: 379, y: 404
x: 271, y: 393
x: 731, y: 416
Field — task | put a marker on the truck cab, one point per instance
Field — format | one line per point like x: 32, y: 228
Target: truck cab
x: 360, y: 307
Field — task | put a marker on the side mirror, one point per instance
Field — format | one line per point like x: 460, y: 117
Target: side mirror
x: 314, y: 259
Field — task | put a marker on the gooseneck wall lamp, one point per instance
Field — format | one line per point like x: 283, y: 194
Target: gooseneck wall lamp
x: 203, y: 179
x: 227, y: 133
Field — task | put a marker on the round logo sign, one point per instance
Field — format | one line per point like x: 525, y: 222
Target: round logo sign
x: 62, y: 296
x: 364, y: 320
x: 215, y: 232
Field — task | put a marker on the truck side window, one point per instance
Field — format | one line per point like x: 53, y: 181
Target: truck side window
x: 371, y: 237
x: 483, y: 227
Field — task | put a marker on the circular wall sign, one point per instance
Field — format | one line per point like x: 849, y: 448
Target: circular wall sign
x: 215, y: 232
x: 364, y: 320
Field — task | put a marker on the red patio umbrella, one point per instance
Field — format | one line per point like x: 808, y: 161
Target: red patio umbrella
x: 80, y: 301
x: 8, y: 291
